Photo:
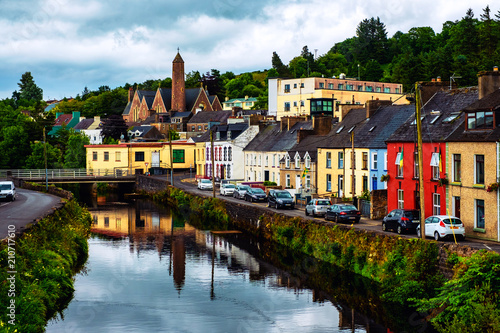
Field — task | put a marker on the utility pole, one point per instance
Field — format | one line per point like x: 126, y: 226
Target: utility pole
x: 420, y: 161
x: 171, y: 157
x: 353, y: 185
x: 45, y: 157
x: 213, y: 161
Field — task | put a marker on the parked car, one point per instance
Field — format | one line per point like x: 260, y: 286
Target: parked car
x: 240, y: 191
x: 227, y: 189
x: 317, y: 207
x: 280, y: 199
x: 442, y: 226
x: 401, y: 220
x: 205, y: 184
x: 343, y: 213
x: 7, y: 190
x: 255, y: 194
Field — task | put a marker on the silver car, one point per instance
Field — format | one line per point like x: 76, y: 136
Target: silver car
x: 227, y: 189
x: 317, y: 207
x: 205, y: 184
x: 240, y: 191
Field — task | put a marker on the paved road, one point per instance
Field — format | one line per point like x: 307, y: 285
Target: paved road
x: 372, y: 225
x: 29, y: 207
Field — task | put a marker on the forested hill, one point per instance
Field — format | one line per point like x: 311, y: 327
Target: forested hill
x: 463, y: 47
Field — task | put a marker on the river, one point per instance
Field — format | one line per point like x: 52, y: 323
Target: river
x: 150, y: 271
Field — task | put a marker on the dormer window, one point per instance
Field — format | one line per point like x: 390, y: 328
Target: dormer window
x: 287, y: 161
x: 480, y: 120
x: 297, y: 161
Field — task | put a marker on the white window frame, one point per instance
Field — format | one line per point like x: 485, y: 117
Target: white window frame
x: 297, y: 161
x: 287, y: 181
x: 266, y: 161
x: 476, y: 217
x: 385, y: 161
x: 307, y: 161
x: 435, y: 166
x: 287, y: 161
x: 436, y: 204
x: 308, y: 181
x: 328, y: 182
x: 374, y: 161
x: 401, y: 199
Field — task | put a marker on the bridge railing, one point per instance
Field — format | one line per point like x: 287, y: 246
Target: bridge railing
x: 64, y: 173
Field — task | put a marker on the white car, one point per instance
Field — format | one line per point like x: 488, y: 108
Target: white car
x: 227, y: 189
x: 205, y: 184
x: 441, y: 226
x: 317, y: 207
x: 7, y: 190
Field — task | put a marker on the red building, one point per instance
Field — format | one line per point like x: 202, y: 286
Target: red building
x: 439, y: 117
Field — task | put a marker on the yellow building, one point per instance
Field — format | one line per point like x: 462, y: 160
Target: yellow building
x: 315, y: 95
x: 200, y: 152
x: 139, y: 157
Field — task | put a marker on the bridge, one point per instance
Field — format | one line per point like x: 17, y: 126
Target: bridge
x: 67, y: 176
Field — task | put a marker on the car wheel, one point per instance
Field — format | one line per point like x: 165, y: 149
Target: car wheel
x: 418, y: 233
x: 384, y: 227
x: 436, y: 236
x: 307, y: 214
x: 399, y: 230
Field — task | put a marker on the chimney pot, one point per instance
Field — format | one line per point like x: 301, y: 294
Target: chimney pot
x: 433, y: 80
x: 495, y: 68
x: 439, y: 79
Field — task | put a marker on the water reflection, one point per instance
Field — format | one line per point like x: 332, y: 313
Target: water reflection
x: 150, y: 271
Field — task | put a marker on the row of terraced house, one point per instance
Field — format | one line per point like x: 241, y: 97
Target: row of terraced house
x: 331, y: 148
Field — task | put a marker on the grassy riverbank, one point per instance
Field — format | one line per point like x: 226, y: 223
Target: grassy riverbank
x: 37, y: 268
x: 407, y: 270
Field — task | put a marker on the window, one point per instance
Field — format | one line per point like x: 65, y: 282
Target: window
x: 228, y: 171
x: 479, y: 218
x: 436, y: 204
x: 330, y: 85
x: 308, y: 181
x: 401, y: 199
x: 360, y: 88
x: 266, y: 161
x: 199, y: 128
x: 260, y: 160
x: 321, y: 85
x: 328, y: 160
x: 480, y: 120
x: 118, y: 156
x: 369, y: 88
x: 378, y: 89
x: 328, y: 183
x: 365, y: 183
x: 307, y: 161
x: 451, y: 117
x: 479, y: 169
x: 341, y: 160
x: 415, y: 164
x: 287, y: 106
x: 340, y: 185
x: 374, y: 161
x: 287, y: 88
x: 365, y: 161
x: 208, y: 154
x: 230, y: 154
x: 192, y: 128
x: 387, y: 90
x: 274, y: 160
x: 106, y: 156
x: 295, y: 103
x: 350, y: 87
x: 435, y: 162
x: 341, y: 86
x: 302, y: 85
x: 139, y: 156
x: 385, y: 161
x: 287, y: 161
x: 321, y: 105
x: 178, y: 156
x: 94, y: 156
x: 399, y: 164
x: 457, y: 168
x: 295, y: 86
x: 287, y: 182
x: 302, y: 103
x: 397, y: 90
x: 297, y: 161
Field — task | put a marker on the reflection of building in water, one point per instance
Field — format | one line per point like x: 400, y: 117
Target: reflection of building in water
x: 179, y: 261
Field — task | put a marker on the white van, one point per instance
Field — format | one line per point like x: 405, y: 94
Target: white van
x: 7, y: 190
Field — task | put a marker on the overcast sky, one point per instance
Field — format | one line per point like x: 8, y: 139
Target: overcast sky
x: 71, y: 44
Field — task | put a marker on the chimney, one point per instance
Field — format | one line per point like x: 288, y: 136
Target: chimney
x: 130, y: 94
x: 226, y: 99
x: 433, y: 80
x: 439, y: 79
x: 488, y: 81
x: 322, y: 125
x: 373, y: 105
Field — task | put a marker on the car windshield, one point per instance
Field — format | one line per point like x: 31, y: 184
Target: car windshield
x: 229, y: 186
x: 244, y: 187
x: 452, y: 221
x: 348, y: 207
x: 323, y: 203
x: 257, y: 190
x: 283, y: 195
x: 5, y: 187
x: 412, y: 214
x: 205, y: 181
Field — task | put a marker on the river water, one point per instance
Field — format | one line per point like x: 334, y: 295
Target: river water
x: 150, y: 271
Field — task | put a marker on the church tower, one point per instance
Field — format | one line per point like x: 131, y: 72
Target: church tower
x: 178, y: 84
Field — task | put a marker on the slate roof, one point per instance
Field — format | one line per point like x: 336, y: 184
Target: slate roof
x: 84, y: 124
x: 435, y: 127
x: 236, y: 130
x: 271, y: 138
x: 490, y: 102
x: 191, y: 97
x: 166, y: 96
x: 126, y: 111
x: 207, y: 116
x: 181, y: 114
x: 63, y: 119
x: 148, y: 95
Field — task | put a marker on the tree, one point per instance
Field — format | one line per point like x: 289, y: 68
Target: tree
x: 279, y: 66
x: 373, y: 71
x: 114, y: 127
x: 76, y: 155
x: 28, y: 89
x: 14, y: 147
x: 372, y: 40
x: 37, y: 158
x: 193, y: 79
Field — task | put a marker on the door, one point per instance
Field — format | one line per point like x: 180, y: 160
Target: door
x: 374, y: 183
x: 266, y: 175
x: 155, y: 159
x: 430, y: 226
x: 297, y: 182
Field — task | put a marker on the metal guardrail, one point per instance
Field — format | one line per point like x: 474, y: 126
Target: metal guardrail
x: 64, y: 173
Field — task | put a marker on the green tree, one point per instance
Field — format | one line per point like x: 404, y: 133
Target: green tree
x: 279, y: 66
x: 372, y: 40
x: 193, y: 79
x: 37, y: 158
x: 14, y: 147
x: 28, y: 89
x: 114, y: 127
x: 76, y: 155
x: 372, y: 71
